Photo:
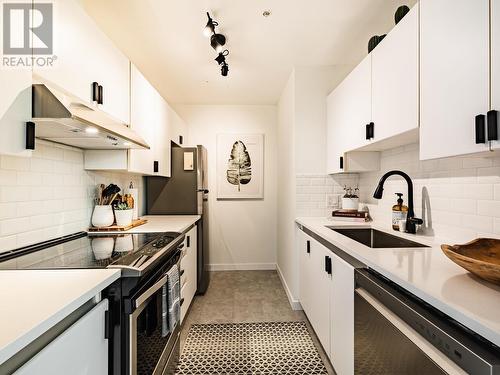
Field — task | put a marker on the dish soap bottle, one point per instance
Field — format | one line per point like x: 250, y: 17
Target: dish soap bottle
x: 399, y: 212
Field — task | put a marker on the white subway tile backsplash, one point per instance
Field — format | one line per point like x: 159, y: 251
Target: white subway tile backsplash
x: 8, y: 162
x: 463, y: 193
x: 49, y: 195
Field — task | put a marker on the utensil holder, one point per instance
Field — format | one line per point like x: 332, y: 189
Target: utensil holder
x: 103, y: 216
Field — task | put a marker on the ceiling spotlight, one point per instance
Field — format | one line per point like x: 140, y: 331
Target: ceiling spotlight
x: 91, y: 130
x: 210, y: 28
x: 224, y: 70
x: 221, y: 58
x: 217, y: 42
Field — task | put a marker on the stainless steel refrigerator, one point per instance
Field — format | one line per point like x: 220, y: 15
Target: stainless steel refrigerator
x: 184, y: 193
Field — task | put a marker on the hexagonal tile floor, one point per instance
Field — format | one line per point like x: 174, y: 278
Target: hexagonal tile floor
x: 272, y: 348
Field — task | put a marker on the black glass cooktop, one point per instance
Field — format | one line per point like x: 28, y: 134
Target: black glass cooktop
x: 92, y: 251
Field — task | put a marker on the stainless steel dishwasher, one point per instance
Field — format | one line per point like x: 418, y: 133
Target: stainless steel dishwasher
x: 397, y: 333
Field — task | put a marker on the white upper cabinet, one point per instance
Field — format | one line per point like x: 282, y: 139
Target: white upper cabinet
x: 15, y: 110
x: 145, y: 119
x: 495, y: 62
x: 454, y: 75
x: 86, y: 55
x: 348, y: 112
x: 395, y: 80
x: 153, y: 119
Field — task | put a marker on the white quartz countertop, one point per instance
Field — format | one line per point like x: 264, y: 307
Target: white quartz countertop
x: 425, y: 272
x: 33, y: 301
x: 165, y: 223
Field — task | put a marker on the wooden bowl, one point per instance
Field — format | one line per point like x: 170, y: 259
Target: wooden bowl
x: 480, y: 257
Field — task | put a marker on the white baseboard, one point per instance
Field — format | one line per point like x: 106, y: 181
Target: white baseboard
x: 295, y: 304
x: 242, y: 266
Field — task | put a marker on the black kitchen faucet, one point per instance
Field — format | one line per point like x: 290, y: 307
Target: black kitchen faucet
x: 411, y: 220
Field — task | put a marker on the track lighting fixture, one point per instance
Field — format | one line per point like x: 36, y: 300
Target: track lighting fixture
x: 221, y: 58
x: 217, y: 42
x: 210, y: 28
x: 225, y: 69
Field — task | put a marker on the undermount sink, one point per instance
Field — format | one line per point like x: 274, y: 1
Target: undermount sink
x: 375, y: 239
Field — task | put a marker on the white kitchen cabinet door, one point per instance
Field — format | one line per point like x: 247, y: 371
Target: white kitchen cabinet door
x: 321, y: 294
x: 348, y: 113
x: 189, y: 271
x: 454, y: 75
x: 305, y: 271
x: 80, y: 350
x: 342, y: 317
x: 145, y: 118
x: 315, y: 287
x: 15, y: 111
x: 395, y: 80
x: 495, y: 61
x: 85, y: 55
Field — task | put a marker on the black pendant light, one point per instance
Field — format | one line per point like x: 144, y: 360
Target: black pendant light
x: 210, y: 28
x: 221, y: 58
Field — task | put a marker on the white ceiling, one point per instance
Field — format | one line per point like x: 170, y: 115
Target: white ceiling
x: 164, y: 39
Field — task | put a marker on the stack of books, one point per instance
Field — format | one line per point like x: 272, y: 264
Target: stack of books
x: 349, y: 215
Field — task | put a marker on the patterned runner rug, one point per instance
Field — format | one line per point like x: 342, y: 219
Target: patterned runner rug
x: 250, y: 348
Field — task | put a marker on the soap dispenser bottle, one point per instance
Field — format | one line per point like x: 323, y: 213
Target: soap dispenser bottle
x: 399, y: 212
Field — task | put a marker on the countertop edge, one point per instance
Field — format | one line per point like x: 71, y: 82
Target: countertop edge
x: 454, y: 313
x: 25, y: 339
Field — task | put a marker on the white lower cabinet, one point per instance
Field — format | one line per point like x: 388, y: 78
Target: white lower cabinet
x: 80, y: 350
x: 189, y: 279
x: 342, y: 317
x: 326, y: 287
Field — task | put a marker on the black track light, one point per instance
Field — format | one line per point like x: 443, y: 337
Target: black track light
x: 221, y: 58
x: 217, y: 42
x: 225, y: 69
x: 210, y: 28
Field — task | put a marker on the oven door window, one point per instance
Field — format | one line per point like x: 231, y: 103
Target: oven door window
x: 150, y: 335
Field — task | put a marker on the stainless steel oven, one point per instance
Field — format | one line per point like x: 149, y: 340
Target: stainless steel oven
x: 153, y: 343
x: 397, y: 333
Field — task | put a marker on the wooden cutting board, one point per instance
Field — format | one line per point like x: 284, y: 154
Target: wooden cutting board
x: 116, y: 228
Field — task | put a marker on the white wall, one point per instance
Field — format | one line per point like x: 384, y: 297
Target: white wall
x: 242, y: 233
x: 48, y: 195
x: 287, y: 258
x: 302, y: 155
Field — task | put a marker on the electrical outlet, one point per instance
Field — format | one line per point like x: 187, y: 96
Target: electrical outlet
x: 332, y: 201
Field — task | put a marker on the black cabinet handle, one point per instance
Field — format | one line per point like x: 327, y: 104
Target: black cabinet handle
x: 308, y: 247
x: 30, y: 135
x: 182, y: 272
x: 341, y: 162
x: 156, y: 166
x: 492, y: 118
x: 370, y: 131
x: 188, y: 241
x: 328, y: 265
x: 100, y: 96
x: 367, y: 132
x: 95, y: 91
x: 182, y: 301
x: 480, y: 129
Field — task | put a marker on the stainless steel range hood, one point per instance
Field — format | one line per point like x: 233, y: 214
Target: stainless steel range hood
x: 62, y: 118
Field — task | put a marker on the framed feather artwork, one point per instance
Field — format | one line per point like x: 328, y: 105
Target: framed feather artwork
x: 240, y: 166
